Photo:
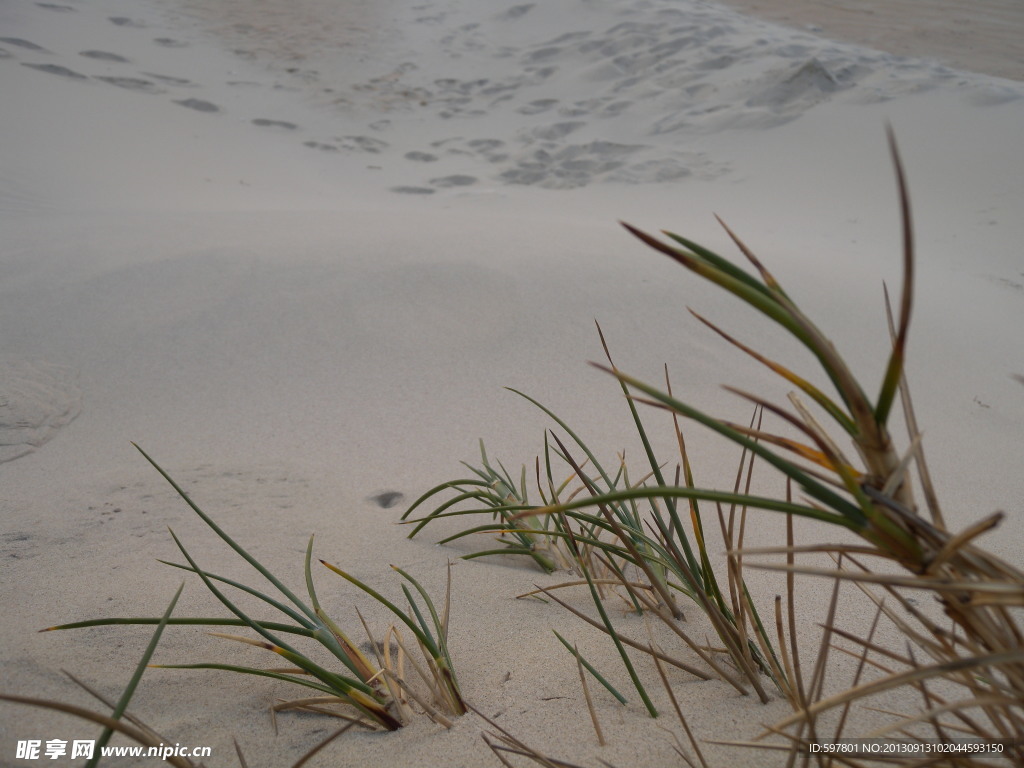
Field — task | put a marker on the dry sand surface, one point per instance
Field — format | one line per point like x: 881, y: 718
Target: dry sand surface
x: 297, y: 249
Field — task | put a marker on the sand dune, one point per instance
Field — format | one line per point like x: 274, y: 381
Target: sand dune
x: 296, y: 250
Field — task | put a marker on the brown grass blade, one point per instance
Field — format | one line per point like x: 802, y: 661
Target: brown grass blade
x: 135, y: 734
x: 590, y: 703
x: 309, y: 755
x: 634, y: 644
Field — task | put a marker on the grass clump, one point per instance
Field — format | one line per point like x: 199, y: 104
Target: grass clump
x: 379, y: 692
x: 968, y: 672
x: 123, y: 722
x: 979, y: 653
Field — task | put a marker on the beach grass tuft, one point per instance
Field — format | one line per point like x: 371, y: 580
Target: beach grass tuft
x: 378, y: 693
x: 969, y: 673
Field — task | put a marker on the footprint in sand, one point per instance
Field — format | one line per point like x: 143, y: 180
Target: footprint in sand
x: 537, y: 106
x: 133, y: 84
x: 485, y: 145
x: 490, y: 150
x: 36, y: 400
x: 124, y: 21
x: 55, y: 7
x: 104, y: 56
x: 56, y: 69
x: 320, y: 145
x: 263, y: 122
x: 457, y: 180
x: 387, y: 499
x: 168, y: 79
x: 363, y: 144
x: 420, y: 157
x: 169, y: 42
x: 198, y: 105
x: 18, y: 545
x: 413, y: 190
x: 541, y: 55
x: 20, y: 43
x: 516, y: 12
x: 557, y: 130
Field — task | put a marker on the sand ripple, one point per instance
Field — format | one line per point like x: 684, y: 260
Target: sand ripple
x: 36, y: 400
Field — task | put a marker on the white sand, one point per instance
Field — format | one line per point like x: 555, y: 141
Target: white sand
x: 316, y: 293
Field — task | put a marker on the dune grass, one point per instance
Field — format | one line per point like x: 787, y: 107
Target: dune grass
x: 623, y: 537
x: 592, y: 521
x: 980, y: 652
x: 378, y: 692
x: 644, y: 539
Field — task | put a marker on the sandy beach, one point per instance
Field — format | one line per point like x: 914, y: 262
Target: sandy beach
x: 297, y: 251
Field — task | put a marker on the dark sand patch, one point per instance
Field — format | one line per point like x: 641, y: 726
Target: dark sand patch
x: 363, y: 144
x: 263, y: 122
x: 20, y: 43
x: 413, y: 190
x: 56, y: 69
x: 456, y: 180
x: 103, y: 56
x: 124, y: 21
x: 199, y: 105
x: 169, y: 79
x: 516, y: 12
x: 387, y: 499
x: 320, y: 145
x: 133, y: 84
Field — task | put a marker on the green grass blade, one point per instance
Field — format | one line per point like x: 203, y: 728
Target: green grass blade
x: 652, y: 460
x: 812, y: 487
x: 227, y: 603
x: 775, y: 306
x: 438, y: 489
x: 227, y: 539
x: 894, y: 369
x: 404, y: 617
x: 336, y: 640
x: 303, y: 681
x: 438, y: 624
x: 435, y: 651
x: 129, y: 691
x: 270, y: 626
x: 343, y: 684
x: 568, y: 430
x: 757, y: 502
x: 715, y: 261
x: 497, y: 510
x: 590, y: 668
x: 805, y: 386
x: 497, y: 505
x: 618, y: 643
x: 285, y: 609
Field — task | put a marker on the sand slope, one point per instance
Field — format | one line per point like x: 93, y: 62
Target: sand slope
x: 296, y: 251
